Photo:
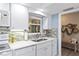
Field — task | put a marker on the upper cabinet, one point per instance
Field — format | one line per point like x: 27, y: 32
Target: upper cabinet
x: 4, y: 14
x: 4, y: 18
x: 45, y: 23
x: 19, y: 17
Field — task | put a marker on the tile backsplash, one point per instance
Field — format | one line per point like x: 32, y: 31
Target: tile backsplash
x: 34, y: 36
x: 16, y: 36
x: 50, y: 32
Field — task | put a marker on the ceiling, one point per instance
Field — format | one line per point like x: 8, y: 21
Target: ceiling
x: 51, y: 8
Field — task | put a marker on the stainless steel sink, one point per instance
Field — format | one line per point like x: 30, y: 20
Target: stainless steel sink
x: 39, y: 40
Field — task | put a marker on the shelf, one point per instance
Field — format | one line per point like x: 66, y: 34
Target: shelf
x: 34, y: 24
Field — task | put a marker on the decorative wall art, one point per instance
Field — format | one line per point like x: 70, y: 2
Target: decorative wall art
x: 70, y: 29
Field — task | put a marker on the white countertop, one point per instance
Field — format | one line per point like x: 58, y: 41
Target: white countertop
x: 5, y: 50
x: 21, y: 44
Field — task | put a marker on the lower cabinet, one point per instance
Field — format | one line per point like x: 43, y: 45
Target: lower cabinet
x: 48, y: 48
x: 54, y: 47
x: 26, y: 51
x: 44, y: 49
x: 6, y: 53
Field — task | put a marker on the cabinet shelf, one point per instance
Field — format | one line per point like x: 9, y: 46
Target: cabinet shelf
x: 34, y: 25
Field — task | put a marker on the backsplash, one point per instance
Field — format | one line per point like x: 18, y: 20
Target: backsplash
x: 46, y: 33
x: 34, y: 36
x: 16, y: 36
x: 50, y: 32
x: 23, y: 35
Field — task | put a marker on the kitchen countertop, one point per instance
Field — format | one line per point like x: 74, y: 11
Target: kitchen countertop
x: 5, y: 50
x: 21, y: 44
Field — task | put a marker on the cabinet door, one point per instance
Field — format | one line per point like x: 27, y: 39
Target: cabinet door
x: 19, y: 17
x: 54, y: 47
x: 4, y: 14
x: 6, y: 53
x: 45, y: 23
x: 5, y: 18
x: 44, y: 49
x: 28, y: 51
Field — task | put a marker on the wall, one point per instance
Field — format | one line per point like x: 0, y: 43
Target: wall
x: 54, y: 24
x: 72, y: 18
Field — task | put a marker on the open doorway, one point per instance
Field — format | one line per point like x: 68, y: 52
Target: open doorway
x: 70, y: 33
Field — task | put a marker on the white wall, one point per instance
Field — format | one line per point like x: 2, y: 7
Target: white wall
x: 54, y: 24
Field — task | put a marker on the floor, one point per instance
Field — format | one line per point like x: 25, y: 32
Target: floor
x: 68, y: 52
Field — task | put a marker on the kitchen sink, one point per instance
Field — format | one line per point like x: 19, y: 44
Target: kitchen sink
x: 39, y: 40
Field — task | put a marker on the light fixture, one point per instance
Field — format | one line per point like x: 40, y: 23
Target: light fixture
x: 42, y: 10
x: 39, y: 12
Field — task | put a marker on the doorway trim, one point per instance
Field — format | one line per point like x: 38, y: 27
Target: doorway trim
x: 59, y: 27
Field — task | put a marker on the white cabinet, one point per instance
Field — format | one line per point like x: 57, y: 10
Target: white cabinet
x: 6, y: 53
x: 4, y: 14
x: 45, y: 23
x: 27, y: 51
x: 4, y: 18
x: 44, y: 49
x: 19, y: 17
x: 4, y: 6
x: 54, y: 47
